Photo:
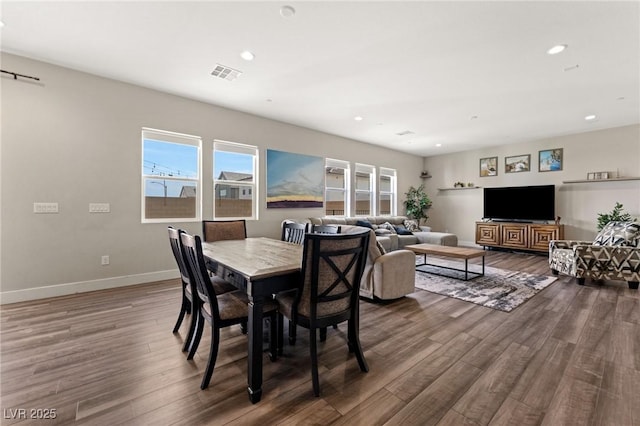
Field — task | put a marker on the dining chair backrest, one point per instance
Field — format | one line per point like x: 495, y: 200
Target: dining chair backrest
x: 293, y: 232
x: 174, y: 239
x: 326, y: 229
x: 332, y: 266
x: 194, y: 259
x: 217, y: 230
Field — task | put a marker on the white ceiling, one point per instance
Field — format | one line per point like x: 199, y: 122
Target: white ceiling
x: 426, y: 67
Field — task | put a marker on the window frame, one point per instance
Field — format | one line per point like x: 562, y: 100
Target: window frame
x: 237, y: 148
x: 371, y: 171
x: 166, y: 136
x: 393, y: 193
x: 346, y: 167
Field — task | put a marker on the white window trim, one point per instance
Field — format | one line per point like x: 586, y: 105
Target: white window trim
x: 177, y: 138
x: 371, y: 171
x: 345, y: 165
x: 238, y: 148
x: 384, y: 171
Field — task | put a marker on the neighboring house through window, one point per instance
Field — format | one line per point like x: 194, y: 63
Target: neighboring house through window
x: 235, y: 167
x: 170, y: 176
x: 336, y: 187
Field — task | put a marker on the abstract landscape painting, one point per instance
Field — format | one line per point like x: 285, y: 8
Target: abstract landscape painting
x: 294, y: 180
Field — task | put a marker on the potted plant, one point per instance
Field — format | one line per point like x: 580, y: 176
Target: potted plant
x: 617, y: 214
x: 416, y: 203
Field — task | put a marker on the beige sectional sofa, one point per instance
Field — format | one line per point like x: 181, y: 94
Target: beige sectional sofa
x: 389, y: 273
x: 391, y: 241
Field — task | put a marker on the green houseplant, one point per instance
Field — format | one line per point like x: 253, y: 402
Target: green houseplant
x: 617, y: 214
x: 416, y: 203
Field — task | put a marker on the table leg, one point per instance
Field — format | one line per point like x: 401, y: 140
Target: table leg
x: 254, y: 368
x: 466, y: 269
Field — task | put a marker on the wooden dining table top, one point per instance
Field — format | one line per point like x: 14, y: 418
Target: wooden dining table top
x: 256, y: 258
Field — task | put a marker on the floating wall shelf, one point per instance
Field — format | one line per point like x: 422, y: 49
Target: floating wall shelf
x: 457, y: 189
x: 601, y: 180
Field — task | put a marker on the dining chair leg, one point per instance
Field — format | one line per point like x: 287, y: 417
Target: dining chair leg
x: 273, y: 337
x: 292, y: 333
x: 323, y: 334
x: 184, y: 309
x: 197, y: 336
x: 313, y: 347
x: 280, y: 332
x: 213, y: 356
x: 188, y: 341
x: 355, y: 344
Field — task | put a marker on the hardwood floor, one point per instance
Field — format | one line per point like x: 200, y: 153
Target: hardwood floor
x: 570, y: 355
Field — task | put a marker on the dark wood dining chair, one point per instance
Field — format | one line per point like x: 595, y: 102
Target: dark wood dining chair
x: 293, y: 232
x: 326, y: 229
x: 187, y: 306
x: 328, y: 294
x: 217, y: 230
x: 219, y: 310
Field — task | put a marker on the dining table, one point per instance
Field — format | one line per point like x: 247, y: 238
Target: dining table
x: 261, y: 267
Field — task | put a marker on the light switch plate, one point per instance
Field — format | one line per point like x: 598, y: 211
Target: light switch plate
x: 99, y: 208
x: 45, y: 208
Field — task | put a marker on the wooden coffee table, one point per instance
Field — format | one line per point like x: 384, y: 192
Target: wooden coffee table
x: 447, y: 251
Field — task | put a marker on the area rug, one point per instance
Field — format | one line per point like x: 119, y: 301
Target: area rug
x: 497, y: 289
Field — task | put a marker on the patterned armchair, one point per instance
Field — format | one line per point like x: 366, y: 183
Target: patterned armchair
x: 613, y: 255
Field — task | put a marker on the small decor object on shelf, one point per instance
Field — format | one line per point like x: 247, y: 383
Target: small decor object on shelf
x: 517, y: 163
x: 550, y: 160
x: 425, y: 174
x: 458, y: 185
x: 591, y: 176
x: 489, y: 166
x: 470, y: 185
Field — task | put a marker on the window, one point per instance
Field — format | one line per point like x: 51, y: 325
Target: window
x: 388, y: 191
x: 365, y: 190
x: 336, y: 187
x: 235, y: 167
x: 170, y: 176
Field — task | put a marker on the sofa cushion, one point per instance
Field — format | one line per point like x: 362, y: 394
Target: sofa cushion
x: 626, y: 234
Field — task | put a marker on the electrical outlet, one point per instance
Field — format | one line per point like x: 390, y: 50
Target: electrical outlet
x: 99, y: 208
x: 45, y: 208
x: 105, y: 259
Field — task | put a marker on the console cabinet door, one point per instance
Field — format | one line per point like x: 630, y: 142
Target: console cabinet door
x: 541, y: 235
x: 514, y: 235
x: 487, y: 234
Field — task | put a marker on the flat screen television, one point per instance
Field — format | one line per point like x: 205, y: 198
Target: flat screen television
x: 520, y: 203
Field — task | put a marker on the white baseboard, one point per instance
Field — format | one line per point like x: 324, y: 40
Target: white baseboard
x: 44, y: 292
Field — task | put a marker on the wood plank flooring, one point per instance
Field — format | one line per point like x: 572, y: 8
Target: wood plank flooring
x: 568, y: 356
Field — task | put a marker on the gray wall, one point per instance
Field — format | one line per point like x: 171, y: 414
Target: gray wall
x: 615, y: 150
x: 74, y: 139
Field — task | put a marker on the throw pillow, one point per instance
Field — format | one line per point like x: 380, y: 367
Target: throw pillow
x: 388, y: 226
x: 411, y: 225
x: 401, y: 230
x: 380, y: 247
x: 626, y: 234
x: 364, y: 223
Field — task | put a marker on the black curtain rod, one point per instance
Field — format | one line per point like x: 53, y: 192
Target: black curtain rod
x: 16, y: 75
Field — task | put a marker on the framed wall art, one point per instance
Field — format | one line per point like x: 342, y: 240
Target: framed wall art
x: 550, y: 160
x: 517, y: 163
x: 488, y: 166
x: 294, y: 180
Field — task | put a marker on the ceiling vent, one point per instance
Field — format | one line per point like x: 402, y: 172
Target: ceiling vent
x: 225, y: 73
x: 405, y: 133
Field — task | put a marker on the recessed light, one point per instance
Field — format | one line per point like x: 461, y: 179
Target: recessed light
x: 438, y: 145
x: 590, y: 117
x: 474, y: 117
x: 357, y: 118
x: 1, y: 24
x: 287, y: 11
x: 247, y: 56
x: 557, y: 49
